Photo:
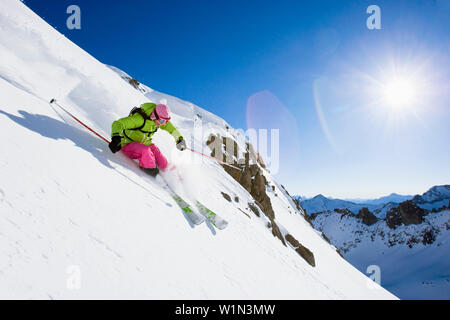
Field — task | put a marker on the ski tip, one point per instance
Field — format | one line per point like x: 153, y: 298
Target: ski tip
x: 199, y: 222
x: 222, y: 226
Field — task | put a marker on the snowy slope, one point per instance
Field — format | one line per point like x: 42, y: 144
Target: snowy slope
x: 68, y: 207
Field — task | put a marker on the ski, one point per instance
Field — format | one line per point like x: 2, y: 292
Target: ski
x: 195, y: 217
x: 212, y: 217
x: 192, y: 215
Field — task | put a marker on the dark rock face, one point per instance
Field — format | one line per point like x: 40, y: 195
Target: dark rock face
x: 134, y: 83
x: 252, y: 179
x: 393, y: 218
x: 308, y: 219
x: 429, y: 236
x: 314, y: 215
x: 245, y: 179
x: 443, y: 208
x: 254, y: 169
x: 258, y: 192
x: 226, y: 196
x: 407, y: 213
x: 304, y: 252
x: 411, y: 213
x: 367, y: 217
x: 276, y: 232
x: 297, y: 204
x: 326, y: 238
x: 261, y: 161
x: 344, y: 212
x: 254, y: 209
x: 340, y: 254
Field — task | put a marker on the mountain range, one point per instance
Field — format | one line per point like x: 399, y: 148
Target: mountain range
x: 408, y: 241
x: 434, y: 198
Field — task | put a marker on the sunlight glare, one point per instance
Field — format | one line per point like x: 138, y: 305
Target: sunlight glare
x: 399, y: 92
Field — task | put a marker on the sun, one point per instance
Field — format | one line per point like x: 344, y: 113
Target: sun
x: 399, y: 92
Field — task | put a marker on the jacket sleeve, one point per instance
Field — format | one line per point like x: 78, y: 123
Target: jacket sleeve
x: 130, y: 122
x: 170, y: 128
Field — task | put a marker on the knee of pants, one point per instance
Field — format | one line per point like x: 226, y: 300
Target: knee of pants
x: 147, y: 159
x: 159, y: 157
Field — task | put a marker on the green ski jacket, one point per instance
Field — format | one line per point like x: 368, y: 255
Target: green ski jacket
x: 129, y: 128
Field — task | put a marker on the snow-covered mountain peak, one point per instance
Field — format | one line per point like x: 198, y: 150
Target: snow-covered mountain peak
x: 435, y: 194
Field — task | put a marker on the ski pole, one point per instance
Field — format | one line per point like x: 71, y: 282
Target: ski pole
x: 53, y: 101
x: 215, y: 159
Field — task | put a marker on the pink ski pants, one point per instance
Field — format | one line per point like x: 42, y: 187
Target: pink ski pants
x: 148, y: 156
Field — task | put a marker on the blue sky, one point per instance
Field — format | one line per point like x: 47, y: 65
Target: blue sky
x: 309, y: 68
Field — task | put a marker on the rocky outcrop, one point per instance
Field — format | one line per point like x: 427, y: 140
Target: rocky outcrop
x: 344, y: 212
x: 304, y: 252
x: 301, y: 209
x: 406, y: 213
x: 227, y: 150
x: 226, y: 196
x: 260, y: 160
x: 411, y: 213
x: 426, y: 237
x: 367, y: 217
x: 393, y: 219
x: 244, y: 178
x: 276, y: 232
x: 258, y: 192
x: 134, y: 83
x: 251, y: 178
x: 254, y: 209
x: 325, y: 238
x: 339, y: 253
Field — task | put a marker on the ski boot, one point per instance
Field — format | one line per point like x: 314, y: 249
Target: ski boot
x: 151, y: 171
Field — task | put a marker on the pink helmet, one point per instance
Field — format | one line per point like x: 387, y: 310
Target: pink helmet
x: 161, y: 112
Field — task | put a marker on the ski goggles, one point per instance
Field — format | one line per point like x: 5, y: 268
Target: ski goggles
x: 159, y: 120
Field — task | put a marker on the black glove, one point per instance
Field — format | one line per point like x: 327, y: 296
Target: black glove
x: 181, y: 144
x: 115, y: 144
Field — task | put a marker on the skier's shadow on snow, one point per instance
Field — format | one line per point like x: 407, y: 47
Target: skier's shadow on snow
x: 58, y: 130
